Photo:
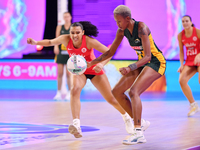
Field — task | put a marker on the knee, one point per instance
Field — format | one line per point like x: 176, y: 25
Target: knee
x: 133, y: 93
x: 112, y: 101
x: 60, y: 74
x: 182, y: 81
x: 114, y: 92
x: 75, y: 91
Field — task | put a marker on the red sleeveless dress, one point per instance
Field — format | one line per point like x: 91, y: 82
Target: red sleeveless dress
x: 192, y: 45
x: 88, y: 54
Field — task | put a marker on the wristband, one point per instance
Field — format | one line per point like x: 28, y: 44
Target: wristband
x: 133, y: 66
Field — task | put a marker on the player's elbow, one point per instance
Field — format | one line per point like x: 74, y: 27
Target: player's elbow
x: 111, y: 54
x: 50, y: 43
x: 148, y: 57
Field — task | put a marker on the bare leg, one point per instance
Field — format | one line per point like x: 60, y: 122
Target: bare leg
x: 68, y: 74
x: 198, y: 69
x: 78, y: 82
x: 60, y: 68
x: 186, y: 74
x: 124, y: 84
x: 143, y: 81
x: 103, y: 86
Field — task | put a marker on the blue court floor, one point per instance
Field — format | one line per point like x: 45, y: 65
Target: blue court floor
x: 47, y: 95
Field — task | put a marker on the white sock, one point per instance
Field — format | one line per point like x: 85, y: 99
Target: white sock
x: 58, y: 92
x: 76, y: 122
x: 138, y: 130
x: 125, y: 116
x: 194, y: 104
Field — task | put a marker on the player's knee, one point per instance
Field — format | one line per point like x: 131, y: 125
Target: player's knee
x: 116, y: 92
x: 182, y: 81
x: 75, y: 90
x: 60, y: 74
x: 112, y: 101
x: 133, y: 93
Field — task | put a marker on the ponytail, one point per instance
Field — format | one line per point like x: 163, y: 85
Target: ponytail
x: 90, y: 29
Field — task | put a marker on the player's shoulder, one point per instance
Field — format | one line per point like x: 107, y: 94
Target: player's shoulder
x: 65, y: 35
x: 141, y: 24
x: 120, y: 32
x: 59, y: 26
x: 143, y: 29
x: 89, y: 39
x: 198, y: 31
x: 179, y: 35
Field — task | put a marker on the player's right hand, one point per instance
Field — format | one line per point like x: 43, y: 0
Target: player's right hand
x: 124, y: 70
x: 31, y: 41
x: 56, y: 50
x: 180, y: 69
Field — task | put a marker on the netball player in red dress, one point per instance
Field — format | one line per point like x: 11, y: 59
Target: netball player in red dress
x: 80, y: 42
x: 190, y: 38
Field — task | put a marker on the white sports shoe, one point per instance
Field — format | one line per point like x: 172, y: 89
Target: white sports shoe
x: 67, y: 97
x: 136, y: 138
x: 144, y: 124
x: 58, y: 96
x: 75, y: 130
x: 194, y: 108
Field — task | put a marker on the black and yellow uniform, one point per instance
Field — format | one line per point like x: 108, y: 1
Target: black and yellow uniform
x: 63, y: 55
x: 158, y: 62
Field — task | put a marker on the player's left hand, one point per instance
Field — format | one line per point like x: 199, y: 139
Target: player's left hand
x: 125, y: 70
x: 197, y: 59
x: 98, y: 68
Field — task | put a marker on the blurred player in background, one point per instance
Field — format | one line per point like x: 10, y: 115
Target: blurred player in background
x: 190, y: 38
x: 62, y: 56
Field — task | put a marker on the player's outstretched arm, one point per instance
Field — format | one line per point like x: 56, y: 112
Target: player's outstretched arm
x: 111, y: 51
x: 57, y: 41
x: 93, y: 43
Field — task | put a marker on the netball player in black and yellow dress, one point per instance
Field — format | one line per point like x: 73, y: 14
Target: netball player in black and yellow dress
x: 138, y: 76
x: 62, y: 56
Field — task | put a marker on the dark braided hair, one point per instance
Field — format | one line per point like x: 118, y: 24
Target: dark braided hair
x: 90, y: 29
x: 189, y: 18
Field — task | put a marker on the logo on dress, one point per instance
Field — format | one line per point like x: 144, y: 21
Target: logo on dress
x: 194, y: 38
x: 137, y: 47
x: 137, y: 40
x: 83, y: 50
x: 139, y: 52
x: 190, y: 44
